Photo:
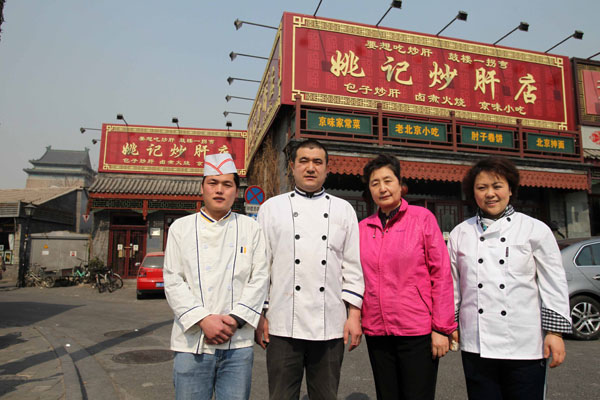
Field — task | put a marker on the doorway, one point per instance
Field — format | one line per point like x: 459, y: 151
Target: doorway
x: 127, y: 244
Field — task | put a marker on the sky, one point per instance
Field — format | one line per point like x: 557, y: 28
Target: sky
x: 66, y: 64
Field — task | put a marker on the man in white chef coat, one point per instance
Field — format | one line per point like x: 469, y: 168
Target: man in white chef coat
x: 315, y: 294
x: 216, y: 280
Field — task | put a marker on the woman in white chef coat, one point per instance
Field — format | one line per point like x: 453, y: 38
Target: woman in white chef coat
x: 510, y: 290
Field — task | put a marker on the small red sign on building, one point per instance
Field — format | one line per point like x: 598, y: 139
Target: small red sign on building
x: 168, y: 151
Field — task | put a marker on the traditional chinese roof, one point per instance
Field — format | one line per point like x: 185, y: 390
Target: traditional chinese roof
x: 591, y: 153
x: 64, y: 157
x: 36, y: 196
x: 146, y: 185
x: 455, y: 173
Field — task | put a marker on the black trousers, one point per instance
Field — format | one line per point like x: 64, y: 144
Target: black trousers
x: 402, y: 367
x: 494, y: 379
x: 287, y: 359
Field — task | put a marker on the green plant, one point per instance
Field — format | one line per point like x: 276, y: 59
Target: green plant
x: 96, y: 264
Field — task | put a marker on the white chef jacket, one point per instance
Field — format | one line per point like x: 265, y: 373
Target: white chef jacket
x: 313, y: 251
x: 503, y: 276
x: 214, y: 267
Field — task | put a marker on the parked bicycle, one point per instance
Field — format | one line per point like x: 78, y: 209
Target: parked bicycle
x: 108, y: 280
x: 38, y: 277
x: 81, y: 273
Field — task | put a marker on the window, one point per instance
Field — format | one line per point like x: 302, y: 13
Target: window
x: 589, y: 255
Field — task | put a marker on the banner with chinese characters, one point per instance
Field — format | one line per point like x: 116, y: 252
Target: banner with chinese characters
x: 417, y: 130
x: 347, y: 123
x: 587, y: 83
x: 165, y: 150
x: 554, y: 144
x: 268, y: 99
x: 487, y: 137
x: 337, y: 63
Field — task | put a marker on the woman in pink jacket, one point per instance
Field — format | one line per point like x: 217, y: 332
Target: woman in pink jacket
x: 408, y: 305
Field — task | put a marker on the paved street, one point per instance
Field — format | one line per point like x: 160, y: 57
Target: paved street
x: 75, y: 343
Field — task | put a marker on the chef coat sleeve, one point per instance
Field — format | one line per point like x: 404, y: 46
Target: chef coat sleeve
x: 353, y: 284
x: 442, y: 289
x: 551, y: 279
x: 188, y: 309
x: 452, y: 250
x: 262, y: 218
x: 250, y: 304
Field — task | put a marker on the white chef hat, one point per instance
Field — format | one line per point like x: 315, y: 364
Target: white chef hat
x: 219, y: 164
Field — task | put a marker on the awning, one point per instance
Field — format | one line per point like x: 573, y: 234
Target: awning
x: 455, y: 172
x: 146, y: 185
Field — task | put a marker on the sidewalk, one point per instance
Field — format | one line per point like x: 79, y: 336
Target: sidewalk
x: 45, y: 363
x: 29, y: 366
x: 30, y: 369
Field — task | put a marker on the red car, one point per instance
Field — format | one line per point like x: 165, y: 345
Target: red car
x: 150, y: 275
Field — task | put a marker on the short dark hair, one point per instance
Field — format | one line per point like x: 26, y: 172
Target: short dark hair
x: 496, y: 165
x: 308, y: 143
x: 381, y: 161
x: 236, y: 180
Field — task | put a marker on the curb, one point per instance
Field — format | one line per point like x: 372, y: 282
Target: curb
x: 84, y: 377
x: 72, y: 383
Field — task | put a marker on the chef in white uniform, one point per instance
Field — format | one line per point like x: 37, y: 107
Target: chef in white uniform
x: 315, y: 295
x: 510, y: 290
x: 216, y: 280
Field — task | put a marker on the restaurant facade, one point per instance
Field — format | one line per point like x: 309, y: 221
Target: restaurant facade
x: 437, y: 104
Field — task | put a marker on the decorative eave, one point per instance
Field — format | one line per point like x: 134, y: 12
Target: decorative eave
x: 455, y: 172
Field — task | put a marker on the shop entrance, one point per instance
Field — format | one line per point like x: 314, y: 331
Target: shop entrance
x: 127, y: 244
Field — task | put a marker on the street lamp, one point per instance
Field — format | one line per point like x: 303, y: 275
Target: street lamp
x: 233, y: 55
x: 228, y: 124
x: 238, y: 24
x: 29, y: 209
x: 318, y: 6
x: 231, y: 79
x: 226, y: 113
x: 228, y: 97
x: 523, y: 26
x: 122, y: 118
x: 576, y: 35
x: 461, y: 16
x: 94, y: 141
x: 175, y: 120
x: 593, y: 55
x: 395, y: 4
x: 82, y: 129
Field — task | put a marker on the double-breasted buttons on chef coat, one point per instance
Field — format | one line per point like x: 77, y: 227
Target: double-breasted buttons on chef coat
x: 503, y: 277
x: 307, y: 242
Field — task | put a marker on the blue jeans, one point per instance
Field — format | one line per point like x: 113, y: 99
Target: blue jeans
x: 227, y: 373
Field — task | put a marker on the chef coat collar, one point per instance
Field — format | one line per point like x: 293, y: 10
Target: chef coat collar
x: 309, y: 194
x: 209, y: 219
x: 483, y: 220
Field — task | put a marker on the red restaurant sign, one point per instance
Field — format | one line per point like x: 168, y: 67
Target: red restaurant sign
x: 165, y: 150
x: 338, y: 63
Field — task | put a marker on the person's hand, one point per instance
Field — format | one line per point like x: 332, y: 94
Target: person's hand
x: 352, y: 328
x: 229, y: 320
x: 555, y: 347
x: 216, y: 330
x: 454, y: 340
x: 439, y: 345
x: 261, y: 334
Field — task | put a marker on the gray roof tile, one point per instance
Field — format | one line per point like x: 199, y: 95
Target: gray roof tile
x: 147, y: 185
